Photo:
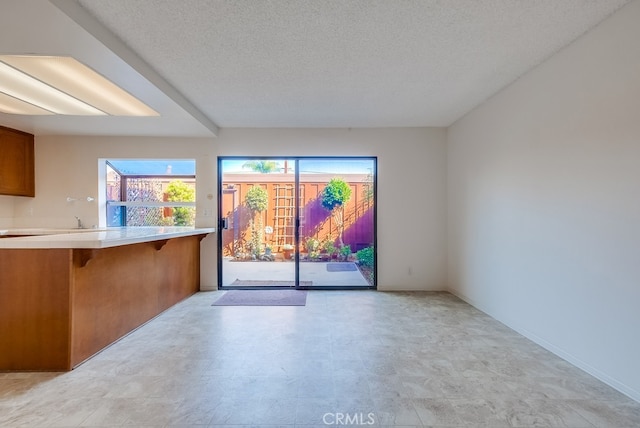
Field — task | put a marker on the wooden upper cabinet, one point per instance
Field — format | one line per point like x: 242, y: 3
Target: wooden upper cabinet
x: 17, y: 172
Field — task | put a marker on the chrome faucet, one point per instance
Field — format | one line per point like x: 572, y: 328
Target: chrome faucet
x: 80, y: 226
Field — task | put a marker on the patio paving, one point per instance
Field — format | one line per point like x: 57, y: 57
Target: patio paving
x: 321, y: 274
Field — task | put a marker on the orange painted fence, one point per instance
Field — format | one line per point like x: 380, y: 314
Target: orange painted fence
x: 279, y: 217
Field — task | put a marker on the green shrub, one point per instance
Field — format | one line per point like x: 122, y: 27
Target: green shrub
x: 365, y: 257
x: 312, y: 244
x: 256, y: 199
x: 179, y: 191
x: 336, y: 193
x: 329, y: 248
x: 345, y: 252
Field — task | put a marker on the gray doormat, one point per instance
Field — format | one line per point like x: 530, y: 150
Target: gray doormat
x: 262, y: 298
x: 341, y: 267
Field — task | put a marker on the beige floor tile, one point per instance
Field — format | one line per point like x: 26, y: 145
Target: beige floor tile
x: 404, y: 359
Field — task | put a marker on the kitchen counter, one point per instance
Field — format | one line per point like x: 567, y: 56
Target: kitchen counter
x: 67, y: 294
x: 92, y: 238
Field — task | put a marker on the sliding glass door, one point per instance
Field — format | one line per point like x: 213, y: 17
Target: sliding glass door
x: 296, y: 222
x: 336, y: 218
x: 257, y: 206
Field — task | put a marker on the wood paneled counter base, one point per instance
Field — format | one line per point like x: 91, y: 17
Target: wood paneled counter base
x: 60, y: 306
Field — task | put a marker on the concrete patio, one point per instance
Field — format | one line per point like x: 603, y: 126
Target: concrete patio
x: 321, y: 274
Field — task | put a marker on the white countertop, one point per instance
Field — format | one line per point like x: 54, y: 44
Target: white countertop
x: 94, y: 238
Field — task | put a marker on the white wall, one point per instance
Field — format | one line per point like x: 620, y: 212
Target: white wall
x: 411, y: 190
x: 544, y: 203
x: 6, y: 211
x: 68, y: 167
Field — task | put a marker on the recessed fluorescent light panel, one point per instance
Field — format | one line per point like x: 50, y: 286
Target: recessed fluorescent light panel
x: 46, y: 85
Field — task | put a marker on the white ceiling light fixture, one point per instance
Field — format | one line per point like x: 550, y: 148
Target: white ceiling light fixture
x: 39, y: 85
x: 11, y: 105
x: 14, y: 83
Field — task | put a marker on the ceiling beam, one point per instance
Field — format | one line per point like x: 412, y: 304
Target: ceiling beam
x: 82, y: 17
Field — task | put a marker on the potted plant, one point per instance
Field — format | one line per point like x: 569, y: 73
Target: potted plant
x: 287, y: 251
x: 268, y: 255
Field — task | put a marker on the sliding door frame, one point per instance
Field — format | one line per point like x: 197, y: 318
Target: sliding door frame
x: 296, y: 228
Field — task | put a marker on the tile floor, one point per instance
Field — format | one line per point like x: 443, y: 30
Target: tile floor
x: 347, y: 358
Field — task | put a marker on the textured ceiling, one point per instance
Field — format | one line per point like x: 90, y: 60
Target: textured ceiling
x: 344, y: 63
x: 334, y: 63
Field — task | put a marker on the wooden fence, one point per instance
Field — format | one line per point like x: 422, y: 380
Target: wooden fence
x: 279, y: 217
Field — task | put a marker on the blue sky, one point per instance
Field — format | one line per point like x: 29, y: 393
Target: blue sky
x: 155, y: 167
x: 328, y: 166
x: 188, y: 166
